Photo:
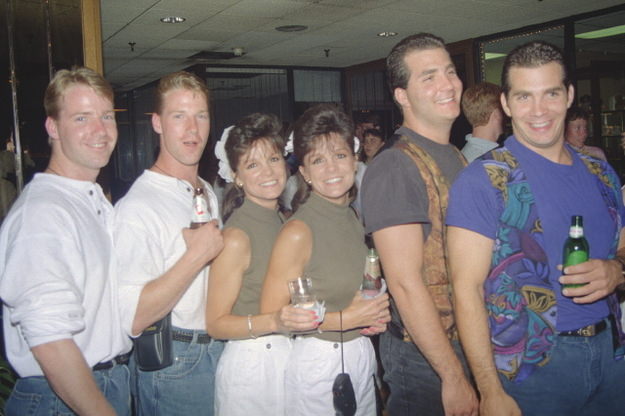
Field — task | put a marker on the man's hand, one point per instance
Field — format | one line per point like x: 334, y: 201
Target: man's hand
x: 499, y: 404
x: 204, y: 243
x: 600, y: 279
x: 459, y: 398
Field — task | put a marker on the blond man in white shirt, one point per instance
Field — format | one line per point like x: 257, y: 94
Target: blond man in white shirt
x: 62, y: 324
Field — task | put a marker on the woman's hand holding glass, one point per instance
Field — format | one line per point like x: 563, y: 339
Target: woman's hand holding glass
x: 292, y: 318
x: 303, y: 297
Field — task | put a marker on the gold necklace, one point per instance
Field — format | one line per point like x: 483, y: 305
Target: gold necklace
x: 53, y: 171
x: 197, y: 182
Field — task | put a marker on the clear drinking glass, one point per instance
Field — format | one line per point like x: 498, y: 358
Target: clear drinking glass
x: 302, y: 296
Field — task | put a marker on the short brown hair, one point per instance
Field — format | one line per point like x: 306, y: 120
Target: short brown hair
x: 396, y: 69
x: 576, y: 113
x: 178, y: 80
x: 67, y: 78
x: 532, y: 55
x: 479, y: 102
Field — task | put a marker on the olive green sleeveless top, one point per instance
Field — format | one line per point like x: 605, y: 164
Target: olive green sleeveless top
x: 338, y: 256
x: 261, y: 225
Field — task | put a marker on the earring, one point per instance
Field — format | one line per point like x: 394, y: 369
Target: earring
x: 308, y: 181
x: 239, y: 184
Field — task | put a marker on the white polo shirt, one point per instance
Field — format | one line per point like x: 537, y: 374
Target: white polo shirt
x: 148, y: 242
x: 56, y: 268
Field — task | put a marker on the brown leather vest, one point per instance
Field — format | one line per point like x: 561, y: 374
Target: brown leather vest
x: 435, y: 271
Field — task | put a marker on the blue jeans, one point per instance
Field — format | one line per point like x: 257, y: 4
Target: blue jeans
x: 415, y: 388
x: 187, y: 387
x: 33, y: 396
x: 581, y: 378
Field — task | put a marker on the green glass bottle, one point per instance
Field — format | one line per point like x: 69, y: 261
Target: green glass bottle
x: 576, y: 248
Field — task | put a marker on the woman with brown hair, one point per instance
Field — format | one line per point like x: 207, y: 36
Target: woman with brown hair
x: 324, y: 241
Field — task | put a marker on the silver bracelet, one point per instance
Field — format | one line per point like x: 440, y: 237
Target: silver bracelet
x: 249, y: 326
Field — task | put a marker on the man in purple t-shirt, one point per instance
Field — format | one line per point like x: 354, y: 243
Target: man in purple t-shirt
x: 578, y: 374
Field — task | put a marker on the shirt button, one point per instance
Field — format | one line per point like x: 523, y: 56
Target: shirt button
x: 99, y: 212
x: 268, y: 346
x: 90, y: 192
x: 336, y: 345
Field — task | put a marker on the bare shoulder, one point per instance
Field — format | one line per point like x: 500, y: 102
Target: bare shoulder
x: 295, y: 232
x: 236, y: 240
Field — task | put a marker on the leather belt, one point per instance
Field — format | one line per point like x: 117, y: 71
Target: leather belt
x: 121, y: 359
x: 188, y: 337
x: 587, y: 331
x: 398, y: 332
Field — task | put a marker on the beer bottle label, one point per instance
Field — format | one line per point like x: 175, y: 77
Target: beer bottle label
x: 200, y: 210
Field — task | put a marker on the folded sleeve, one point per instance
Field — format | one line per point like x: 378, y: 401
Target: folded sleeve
x: 473, y: 203
x: 42, y: 285
x: 393, y: 192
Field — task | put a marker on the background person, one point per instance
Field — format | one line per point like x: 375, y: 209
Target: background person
x: 481, y: 107
x: 372, y: 142
x: 576, y: 132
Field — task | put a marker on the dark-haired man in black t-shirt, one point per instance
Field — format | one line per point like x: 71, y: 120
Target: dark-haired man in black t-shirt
x: 404, y: 198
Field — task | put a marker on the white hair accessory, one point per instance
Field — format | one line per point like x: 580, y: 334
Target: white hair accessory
x: 225, y: 171
x: 288, y: 147
x: 289, y: 144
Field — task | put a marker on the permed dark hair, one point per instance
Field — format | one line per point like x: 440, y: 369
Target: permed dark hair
x: 531, y: 55
x: 316, y: 124
x: 245, y: 133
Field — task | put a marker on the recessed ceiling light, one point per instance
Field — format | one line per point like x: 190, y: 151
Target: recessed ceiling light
x: 387, y: 34
x: 291, y: 28
x: 602, y: 33
x: 172, y: 19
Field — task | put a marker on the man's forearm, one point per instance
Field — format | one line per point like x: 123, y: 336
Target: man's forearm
x: 161, y: 295
x: 472, y: 322
x: 72, y: 380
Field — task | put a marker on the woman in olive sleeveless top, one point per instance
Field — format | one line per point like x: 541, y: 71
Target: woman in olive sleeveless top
x: 250, y: 373
x: 324, y: 241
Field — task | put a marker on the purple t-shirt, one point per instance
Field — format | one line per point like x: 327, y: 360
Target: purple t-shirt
x: 560, y: 191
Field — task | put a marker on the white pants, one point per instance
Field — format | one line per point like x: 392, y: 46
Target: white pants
x: 313, y: 366
x: 250, y: 377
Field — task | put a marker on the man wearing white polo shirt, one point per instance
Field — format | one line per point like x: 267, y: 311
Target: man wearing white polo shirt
x: 62, y: 324
x: 163, y: 263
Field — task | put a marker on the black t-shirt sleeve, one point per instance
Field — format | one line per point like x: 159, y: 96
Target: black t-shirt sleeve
x: 393, y: 192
